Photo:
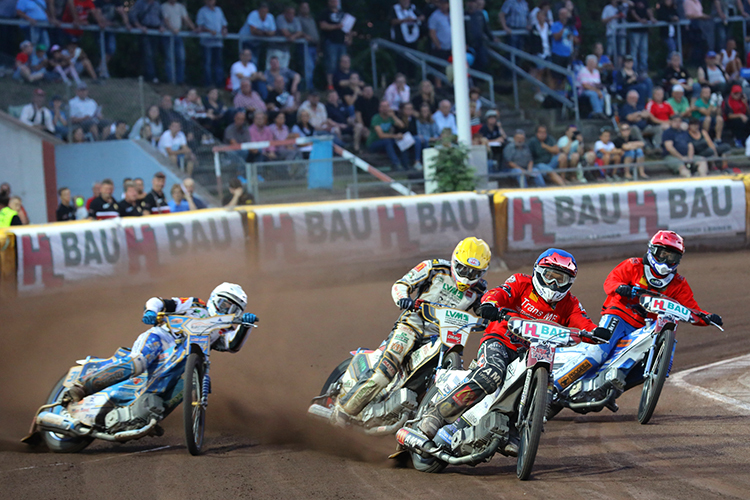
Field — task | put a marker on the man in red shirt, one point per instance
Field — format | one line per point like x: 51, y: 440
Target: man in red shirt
x: 83, y: 8
x: 543, y: 296
x: 622, y: 313
x: 660, y: 110
x: 735, y: 115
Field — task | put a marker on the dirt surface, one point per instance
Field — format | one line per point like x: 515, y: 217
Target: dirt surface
x: 261, y: 443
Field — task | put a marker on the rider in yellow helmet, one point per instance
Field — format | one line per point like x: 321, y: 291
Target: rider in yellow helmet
x: 457, y: 284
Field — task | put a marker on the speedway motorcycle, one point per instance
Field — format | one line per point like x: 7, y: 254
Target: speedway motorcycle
x: 643, y: 357
x: 395, y: 404
x: 133, y: 408
x: 514, y: 412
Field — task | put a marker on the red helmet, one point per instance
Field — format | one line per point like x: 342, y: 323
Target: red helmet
x: 665, y: 251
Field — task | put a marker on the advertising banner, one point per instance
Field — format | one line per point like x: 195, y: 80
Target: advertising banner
x: 50, y: 256
x: 610, y: 215
x: 377, y: 229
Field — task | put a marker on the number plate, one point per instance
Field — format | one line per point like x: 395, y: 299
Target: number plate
x: 541, y: 353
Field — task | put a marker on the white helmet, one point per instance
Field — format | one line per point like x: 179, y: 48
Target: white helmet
x: 227, y: 298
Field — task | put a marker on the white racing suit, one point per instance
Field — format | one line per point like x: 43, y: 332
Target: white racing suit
x: 151, y: 343
x: 431, y: 281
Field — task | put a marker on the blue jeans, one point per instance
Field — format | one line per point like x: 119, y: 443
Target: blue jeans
x: 597, y: 103
x: 110, y: 43
x: 179, y: 57
x: 312, y: 57
x: 213, y: 66
x: 332, y: 52
x: 543, y: 168
x: 517, y: 41
x: 148, y: 47
x: 35, y: 35
x: 633, y: 153
x: 394, y: 153
x: 514, y: 173
x: 420, y: 143
x: 639, y: 51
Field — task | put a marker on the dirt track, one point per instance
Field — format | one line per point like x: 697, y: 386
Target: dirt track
x: 261, y: 444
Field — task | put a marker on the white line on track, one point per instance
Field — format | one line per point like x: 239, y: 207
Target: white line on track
x: 87, y: 461
x: 739, y: 362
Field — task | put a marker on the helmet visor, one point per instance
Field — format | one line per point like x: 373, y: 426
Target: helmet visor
x: 226, y: 306
x: 667, y: 256
x: 470, y: 273
x: 555, y: 277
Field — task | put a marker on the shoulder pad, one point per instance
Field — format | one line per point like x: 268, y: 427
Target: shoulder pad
x: 679, y: 277
x: 636, y: 260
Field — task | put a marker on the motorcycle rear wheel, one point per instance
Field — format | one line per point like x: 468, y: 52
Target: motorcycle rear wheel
x: 532, y: 423
x: 654, y: 383
x: 334, y: 377
x: 194, y: 414
x: 63, y: 443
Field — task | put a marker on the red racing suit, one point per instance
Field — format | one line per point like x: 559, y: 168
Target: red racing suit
x: 518, y: 293
x: 631, y: 272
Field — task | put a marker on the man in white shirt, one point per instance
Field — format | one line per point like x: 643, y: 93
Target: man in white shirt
x: 84, y: 111
x: 444, y: 118
x: 173, y: 145
x: 245, y: 68
x: 317, y: 111
x: 36, y: 115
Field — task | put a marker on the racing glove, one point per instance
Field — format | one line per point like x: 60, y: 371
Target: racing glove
x: 149, y: 317
x: 714, y: 318
x: 600, y: 333
x: 406, y: 303
x: 627, y: 291
x: 489, y: 311
x: 249, y: 318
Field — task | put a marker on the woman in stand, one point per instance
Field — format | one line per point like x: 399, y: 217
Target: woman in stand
x: 705, y: 147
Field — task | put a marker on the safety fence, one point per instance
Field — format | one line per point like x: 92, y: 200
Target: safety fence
x: 328, y: 235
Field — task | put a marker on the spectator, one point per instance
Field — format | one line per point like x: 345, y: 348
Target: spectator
x: 546, y: 156
x: 338, y: 117
x: 246, y: 68
x: 147, y: 15
x: 638, y: 37
x: 191, y: 105
x: 113, y: 12
x: 8, y: 216
x: 175, y: 16
x: 679, y: 103
x: 703, y: 145
x: 84, y: 111
x: 382, y: 136
x: 409, y: 120
x: 540, y: 43
x: 591, y: 86
x: 474, y: 101
x: 564, y: 39
x: 104, y: 206
x: 405, y: 20
x: 604, y: 64
x: 659, y: 110
x: 59, y: 64
x: 167, y: 114
x: 79, y: 136
x: 310, y: 32
x: 145, y: 134
x: 279, y: 100
x: 517, y: 159
x: 666, y: 11
x: 316, y: 110
x: 79, y: 59
x: 627, y: 79
x: 606, y: 152
x: 125, y: 182
x: 211, y: 20
x: 675, y: 74
x: 612, y: 15
x: 33, y: 12
x: 303, y: 129
x: 181, y: 200
x: 700, y: 21
x: 16, y: 205
x: 427, y: 129
x: 365, y: 108
x: 36, y: 114
x: 189, y: 185
x: 280, y: 132
x: 679, y: 153
x: 712, y: 74
x: 237, y: 197
x: 153, y: 119
x: 59, y: 118
x: 173, y: 145
x: 238, y: 132
x: 351, y: 92
x: 632, y: 150
x: 39, y: 61
x: 730, y: 60
x: 291, y: 78
x: 492, y: 130
x: 397, y: 92
x: 334, y: 38
x: 120, y: 132
x: 262, y: 25
x: 289, y: 27
x: 65, y: 210
x: 708, y: 113
x: 439, y: 25
x: 426, y: 95
x: 444, y: 118
x: 736, y: 115
x: 259, y: 132
x: 216, y: 111
x: 514, y: 15
x: 96, y: 190
x: 131, y: 206
x: 23, y: 64
x: 477, y: 30
x: 247, y: 98
x: 342, y: 74
x: 156, y: 200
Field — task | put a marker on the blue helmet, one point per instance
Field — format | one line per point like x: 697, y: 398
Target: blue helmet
x: 554, y: 273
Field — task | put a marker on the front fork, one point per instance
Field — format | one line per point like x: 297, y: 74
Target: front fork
x: 652, y: 353
x: 524, y: 396
x: 206, y: 384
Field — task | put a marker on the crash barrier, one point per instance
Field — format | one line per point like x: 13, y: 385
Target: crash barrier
x: 377, y: 232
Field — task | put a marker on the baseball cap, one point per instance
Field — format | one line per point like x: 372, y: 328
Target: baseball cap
x: 41, y: 47
x: 489, y: 113
x: 55, y: 48
x: 736, y: 89
x: 710, y: 53
x: 24, y: 44
x: 677, y: 88
x: 628, y: 57
x: 82, y: 86
x: 38, y: 91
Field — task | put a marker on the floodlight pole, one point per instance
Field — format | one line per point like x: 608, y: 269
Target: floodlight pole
x: 460, y: 72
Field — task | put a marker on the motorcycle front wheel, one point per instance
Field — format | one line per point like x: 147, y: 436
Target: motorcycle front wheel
x: 532, y: 422
x: 427, y: 463
x: 194, y: 414
x: 62, y: 443
x: 654, y: 382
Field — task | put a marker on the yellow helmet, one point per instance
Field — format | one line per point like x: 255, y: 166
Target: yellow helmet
x: 470, y: 261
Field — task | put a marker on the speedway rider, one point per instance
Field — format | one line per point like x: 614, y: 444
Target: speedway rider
x: 543, y: 296
x: 622, y: 313
x: 226, y: 298
x: 456, y: 284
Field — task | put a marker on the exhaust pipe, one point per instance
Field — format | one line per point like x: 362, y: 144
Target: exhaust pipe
x: 589, y: 406
x: 54, y: 422
x: 123, y: 436
x: 320, y: 411
x: 414, y: 440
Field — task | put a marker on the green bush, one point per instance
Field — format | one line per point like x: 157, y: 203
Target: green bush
x: 452, y: 171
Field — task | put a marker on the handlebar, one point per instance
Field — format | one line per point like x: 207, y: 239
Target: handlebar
x: 700, y: 314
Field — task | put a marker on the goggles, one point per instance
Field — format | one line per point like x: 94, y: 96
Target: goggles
x: 555, y: 277
x: 226, y: 306
x: 471, y: 273
x: 667, y: 256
